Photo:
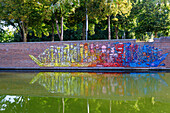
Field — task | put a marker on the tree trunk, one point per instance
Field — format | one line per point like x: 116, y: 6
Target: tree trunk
x: 116, y: 31
x: 155, y: 34
x: 24, y: 32
x: 61, y: 37
x: 52, y: 31
x: 124, y: 37
x: 109, y: 33
x: 164, y: 2
x: 21, y: 32
x: 56, y: 20
x: 25, y: 36
x: 84, y: 30
x: 86, y: 25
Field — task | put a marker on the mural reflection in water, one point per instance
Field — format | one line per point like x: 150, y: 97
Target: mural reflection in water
x: 100, y: 84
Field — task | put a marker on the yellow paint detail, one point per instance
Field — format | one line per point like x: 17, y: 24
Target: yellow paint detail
x: 35, y: 60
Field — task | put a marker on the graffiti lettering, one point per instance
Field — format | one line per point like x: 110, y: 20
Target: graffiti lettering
x: 106, y: 55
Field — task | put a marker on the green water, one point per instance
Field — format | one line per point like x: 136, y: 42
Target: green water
x: 63, y: 92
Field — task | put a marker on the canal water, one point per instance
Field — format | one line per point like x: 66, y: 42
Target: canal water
x: 82, y: 92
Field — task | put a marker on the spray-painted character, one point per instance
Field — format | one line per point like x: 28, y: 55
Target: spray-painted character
x: 103, y: 55
x: 85, y: 52
x: 92, y: 56
x: 71, y: 54
x: 120, y: 49
x: 97, y: 53
x: 66, y: 54
x: 75, y: 55
x: 81, y: 52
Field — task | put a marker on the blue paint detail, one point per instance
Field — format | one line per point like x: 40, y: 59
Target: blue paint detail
x: 158, y: 60
x: 145, y: 56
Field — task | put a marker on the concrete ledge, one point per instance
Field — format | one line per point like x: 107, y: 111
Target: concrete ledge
x: 85, y: 69
x: 77, y: 41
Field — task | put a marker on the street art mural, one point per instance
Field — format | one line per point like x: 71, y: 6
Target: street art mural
x: 101, y: 55
x: 101, y: 84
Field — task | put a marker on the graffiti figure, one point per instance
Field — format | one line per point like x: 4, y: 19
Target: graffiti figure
x: 86, y: 52
x: 71, y: 54
x: 92, y: 56
x: 81, y: 52
x: 103, y: 55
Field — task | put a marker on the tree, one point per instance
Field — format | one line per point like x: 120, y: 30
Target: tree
x: 21, y: 14
x: 153, y: 18
x: 61, y: 9
x: 78, y: 20
x: 114, y: 7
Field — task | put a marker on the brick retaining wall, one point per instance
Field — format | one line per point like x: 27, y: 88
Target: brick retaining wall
x: 17, y: 54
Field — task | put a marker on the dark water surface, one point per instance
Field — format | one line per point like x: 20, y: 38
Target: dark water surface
x: 80, y: 92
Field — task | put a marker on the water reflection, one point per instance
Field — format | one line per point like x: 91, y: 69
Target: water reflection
x: 87, y: 93
x: 28, y: 104
x: 103, y: 85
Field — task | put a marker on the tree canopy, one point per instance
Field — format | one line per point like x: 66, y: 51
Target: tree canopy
x: 40, y: 20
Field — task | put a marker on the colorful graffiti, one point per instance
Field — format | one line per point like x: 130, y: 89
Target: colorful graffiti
x: 98, y: 55
x: 101, y: 84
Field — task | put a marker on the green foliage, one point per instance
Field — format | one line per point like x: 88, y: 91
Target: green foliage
x: 114, y: 7
x: 6, y: 36
x: 153, y: 18
x: 36, y: 19
x: 23, y: 15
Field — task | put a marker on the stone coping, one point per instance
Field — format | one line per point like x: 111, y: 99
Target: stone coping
x: 72, y: 41
x: 85, y: 69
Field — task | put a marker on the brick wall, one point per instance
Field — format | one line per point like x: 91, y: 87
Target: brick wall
x: 17, y: 54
